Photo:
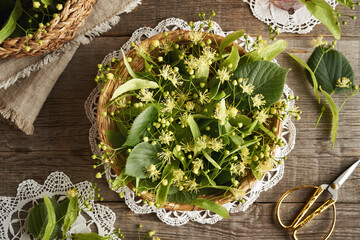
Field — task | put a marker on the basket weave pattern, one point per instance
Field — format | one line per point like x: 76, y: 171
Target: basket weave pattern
x: 105, y: 123
x: 60, y: 31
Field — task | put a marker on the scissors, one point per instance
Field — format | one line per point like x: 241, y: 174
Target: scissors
x: 299, y: 222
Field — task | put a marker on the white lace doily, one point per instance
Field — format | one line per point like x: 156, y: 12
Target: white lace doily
x: 177, y: 218
x: 14, y: 210
x: 300, y: 21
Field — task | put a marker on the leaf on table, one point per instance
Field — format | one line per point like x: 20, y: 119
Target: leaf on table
x: 141, y: 156
x: 10, y: 24
x: 325, y: 14
x: 335, y: 116
x: 312, y: 75
x: 212, y: 206
x: 132, y: 85
x: 139, y: 126
x: 329, y: 68
x: 267, y: 77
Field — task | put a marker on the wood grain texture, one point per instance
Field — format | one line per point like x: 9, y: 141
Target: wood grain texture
x: 60, y: 141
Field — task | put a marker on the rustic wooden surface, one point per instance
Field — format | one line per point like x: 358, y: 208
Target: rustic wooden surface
x: 60, y: 141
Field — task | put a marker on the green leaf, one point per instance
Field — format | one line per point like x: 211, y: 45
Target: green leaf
x: 212, y: 182
x: 141, y: 123
x: 233, y: 59
x: 71, y: 214
x: 181, y: 156
x: 194, y: 128
x: 10, y: 24
x: 122, y: 180
x: 348, y: 3
x: 267, y: 77
x: 121, y: 127
x: 245, y: 120
x: 87, y: 236
x: 162, y: 191
x: 229, y: 39
x: 211, y: 160
x: 256, y: 173
x: 237, y: 140
x: 182, y: 197
x: 51, y: 218
x: 132, y: 85
x: 141, y: 156
x: 212, y: 206
x: 312, y: 75
x: 115, y: 138
x: 272, y: 50
x: 127, y: 65
x: 335, y: 116
x: 325, y: 14
x: 328, y: 68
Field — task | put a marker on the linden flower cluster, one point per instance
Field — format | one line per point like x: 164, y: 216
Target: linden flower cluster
x: 189, y: 123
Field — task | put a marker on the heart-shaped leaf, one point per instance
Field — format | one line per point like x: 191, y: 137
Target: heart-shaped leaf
x: 267, y: 77
x: 141, y: 156
x: 182, y: 197
x: 332, y: 66
x: 115, y: 138
x: 141, y: 123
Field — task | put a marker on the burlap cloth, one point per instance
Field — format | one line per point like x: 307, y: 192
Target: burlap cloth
x: 25, y: 83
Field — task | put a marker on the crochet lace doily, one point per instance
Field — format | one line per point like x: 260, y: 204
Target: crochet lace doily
x: 14, y: 210
x: 177, y: 218
x: 300, y: 21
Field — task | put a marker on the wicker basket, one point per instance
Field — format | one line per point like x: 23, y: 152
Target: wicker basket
x: 106, y: 124
x: 60, y: 31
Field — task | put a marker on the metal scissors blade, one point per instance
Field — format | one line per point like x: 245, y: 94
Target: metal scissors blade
x: 334, y: 187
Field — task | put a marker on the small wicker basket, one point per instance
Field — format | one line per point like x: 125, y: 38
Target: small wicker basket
x: 60, y: 31
x: 105, y: 124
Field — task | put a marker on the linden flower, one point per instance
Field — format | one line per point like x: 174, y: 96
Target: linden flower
x: 169, y: 105
x: 121, y: 102
x: 237, y: 193
x: 261, y: 116
x: 165, y: 155
x: 266, y: 166
x: 182, y: 97
x: 209, y: 54
x: 178, y: 175
x: 183, y: 119
x: 191, y: 185
x: 145, y: 95
x: 71, y: 193
x: 244, y: 154
x: 258, y: 100
x: 232, y: 111
x: 198, y: 164
x: 260, y: 45
x: 165, y: 72
x: 216, y: 144
x: 237, y: 168
x: 204, y: 97
x: 319, y: 42
x: 140, y: 49
x: 190, y: 105
x: 152, y: 172
x: 343, y: 82
x: 220, y: 114
x: 166, y: 137
x: 188, y: 147
x: 247, y: 88
x: 165, y: 48
x: 202, y: 142
x: 196, y: 36
x: 223, y: 75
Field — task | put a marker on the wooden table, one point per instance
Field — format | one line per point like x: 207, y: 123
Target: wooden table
x: 60, y: 141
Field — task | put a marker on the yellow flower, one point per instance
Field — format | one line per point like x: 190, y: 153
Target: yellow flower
x: 343, y: 82
x: 247, y: 88
x: 152, y: 172
x: 71, y: 193
x: 319, y: 42
x: 223, y: 75
x: 261, y: 116
x: 258, y: 100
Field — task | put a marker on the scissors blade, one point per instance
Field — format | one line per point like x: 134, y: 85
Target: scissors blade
x: 345, y: 175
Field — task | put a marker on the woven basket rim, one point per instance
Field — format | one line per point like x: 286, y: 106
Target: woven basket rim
x: 59, y: 31
x: 104, y: 123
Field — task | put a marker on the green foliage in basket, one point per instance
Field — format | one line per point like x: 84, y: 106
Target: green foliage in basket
x: 197, y: 118
x: 20, y: 18
x: 330, y: 72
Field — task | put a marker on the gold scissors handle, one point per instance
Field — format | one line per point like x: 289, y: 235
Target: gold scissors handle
x: 298, y: 222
